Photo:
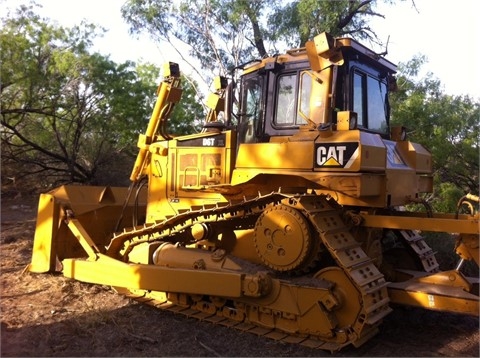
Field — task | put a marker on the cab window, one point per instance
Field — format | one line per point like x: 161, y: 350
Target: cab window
x: 370, y: 102
x: 288, y: 102
x: 251, y: 116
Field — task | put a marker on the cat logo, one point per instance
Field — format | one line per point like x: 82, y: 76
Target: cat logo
x: 341, y: 155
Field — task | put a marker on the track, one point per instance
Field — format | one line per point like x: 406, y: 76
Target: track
x: 342, y: 304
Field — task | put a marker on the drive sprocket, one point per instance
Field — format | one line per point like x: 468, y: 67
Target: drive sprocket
x: 283, y: 238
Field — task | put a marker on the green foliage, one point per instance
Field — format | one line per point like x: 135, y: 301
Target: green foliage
x: 298, y: 21
x: 221, y: 34
x: 447, y: 125
x: 188, y: 116
x: 446, y: 197
x: 69, y: 115
x: 214, y: 32
x: 65, y: 112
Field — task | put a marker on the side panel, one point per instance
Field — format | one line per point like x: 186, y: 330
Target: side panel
x: 338, y: 162
x: 345, y: 151
x: 285, y: 155
x: 179, y: 176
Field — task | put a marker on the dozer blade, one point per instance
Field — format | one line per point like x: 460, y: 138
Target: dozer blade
x: 98, y: 209
x: 443, y: 291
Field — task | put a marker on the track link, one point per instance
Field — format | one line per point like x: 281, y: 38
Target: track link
x: 350, y: 257
x: 310, y: 341
x: 420, y: 248
x: 354, y: 268
x: 170, y: 229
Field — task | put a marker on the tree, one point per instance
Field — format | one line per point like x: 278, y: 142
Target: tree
x: 447, y: 125
x: 221, y: 34
x: 298, y: 21
x: 70, y: 116
x: 65, y: 113
x: 188, y: 116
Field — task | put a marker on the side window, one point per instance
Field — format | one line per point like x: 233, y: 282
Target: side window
x: 253, y: 99
x: 358, y: 98
x: 288, y: 105
x: 305, y: 98
x: 370, y: 102
x: 251, y: 116
x: 377, y: 105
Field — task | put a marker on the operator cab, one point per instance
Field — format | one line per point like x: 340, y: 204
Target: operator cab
x: 278, y: 95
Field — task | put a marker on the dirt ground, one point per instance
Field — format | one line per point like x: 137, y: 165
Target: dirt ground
x: 49, y: 315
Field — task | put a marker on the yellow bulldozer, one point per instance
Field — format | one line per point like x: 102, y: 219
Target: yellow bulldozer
x: 285, y: 216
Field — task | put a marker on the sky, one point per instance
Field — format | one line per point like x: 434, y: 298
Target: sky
x: 446, y: 32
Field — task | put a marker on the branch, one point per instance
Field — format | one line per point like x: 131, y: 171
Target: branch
x: 257, y: 34
x: 30, y: 143
x: 74, y: 168
x: 343, y: 22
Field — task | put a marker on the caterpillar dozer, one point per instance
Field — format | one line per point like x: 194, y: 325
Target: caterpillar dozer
x: 285, y: 216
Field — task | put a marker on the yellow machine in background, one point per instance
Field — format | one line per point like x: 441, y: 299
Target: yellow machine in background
x: 283, y: 216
